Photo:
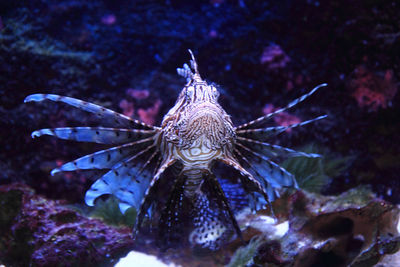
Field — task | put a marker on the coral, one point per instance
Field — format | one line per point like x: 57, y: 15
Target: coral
x: 149, y: 115
x: 138, y: 94
x: 127, y: 107
x: 320, y: 48
x: 353, y: 229
x: 371, y: 90
x: 274, y: 57
x: 40, y: 232
x: 245, y: 254
x: 282, y: 118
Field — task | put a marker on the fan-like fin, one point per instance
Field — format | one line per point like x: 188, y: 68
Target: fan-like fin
x: 271, y: 150
x: 174, y: 217
x: 245, y: 174
x: 103, y: 112
x: 101, y: 135
x: 291, y: 104
x: 103, y: 159
x: 206, y: 214
x: 273, y: 173
x: 148, y: 196
x: 262, y: 133
x: 271, y: 193
x: 215, y: 190
x: 126, y: 180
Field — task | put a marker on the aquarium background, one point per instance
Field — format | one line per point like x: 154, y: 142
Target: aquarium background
x: 123, y: 55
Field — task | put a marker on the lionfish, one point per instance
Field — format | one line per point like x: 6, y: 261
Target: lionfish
x: 167, y: 173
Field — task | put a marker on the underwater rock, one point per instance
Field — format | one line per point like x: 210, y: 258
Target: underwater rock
x: 40, y: 232
x: 352, y: 229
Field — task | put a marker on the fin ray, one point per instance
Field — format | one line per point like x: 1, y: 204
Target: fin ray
x: 271, y: 150
x: 262, y: 133
x: 103, y: 112
x: 101, y: 135
x: 273, y: 173
x: 291, y: 104
x: 126, y: 180
x: 103, y: 159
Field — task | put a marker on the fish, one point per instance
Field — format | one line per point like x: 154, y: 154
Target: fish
x: 167, y: 172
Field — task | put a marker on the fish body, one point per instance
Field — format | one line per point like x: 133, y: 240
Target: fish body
x: 176, y: 161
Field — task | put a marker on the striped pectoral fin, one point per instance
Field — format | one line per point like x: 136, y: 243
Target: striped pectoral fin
x: 270, y: 115
x: 148, y: 195
x: 270, y: 150
x: 214, y: 189
x: 264, y: 133
x: 105, y: 113
x: 127, y: 180
x: 266, y: 169
x: 128, y: 188
x: 103, y: 159
x: 256, y: 172
x: 250, y: 183
x: 174, y: 217
x: 99, y: 135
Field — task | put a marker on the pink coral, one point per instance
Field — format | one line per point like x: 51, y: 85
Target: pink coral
x: 372, y: 90
x: 127, y: 107
x: 138, y: 94
x: 274, y: 57
x: 283, y: 118
x: 149, y: 115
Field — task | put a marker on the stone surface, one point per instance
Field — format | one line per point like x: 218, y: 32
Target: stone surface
x: 41, y: 232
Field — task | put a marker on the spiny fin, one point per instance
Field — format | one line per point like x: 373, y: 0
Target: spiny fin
x: 270, y: 192
x: 291, y: 104
x: 126, y: 180
x: 263, y: 133
x: 148, y: 196
x: 105, y: 113
x: 268, y: 170
x: 174, y: 216
x: 101, y: 135
x: 249, y: 182
x: 271, y: 150
x: 215, y: 190
x: 103, y: 159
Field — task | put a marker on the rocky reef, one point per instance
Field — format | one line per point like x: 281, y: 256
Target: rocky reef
x: 352, y: 229
x: 40, y: 232
x: 123, y: 54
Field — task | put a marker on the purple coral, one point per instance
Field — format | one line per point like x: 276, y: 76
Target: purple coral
x: 274, y: 57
